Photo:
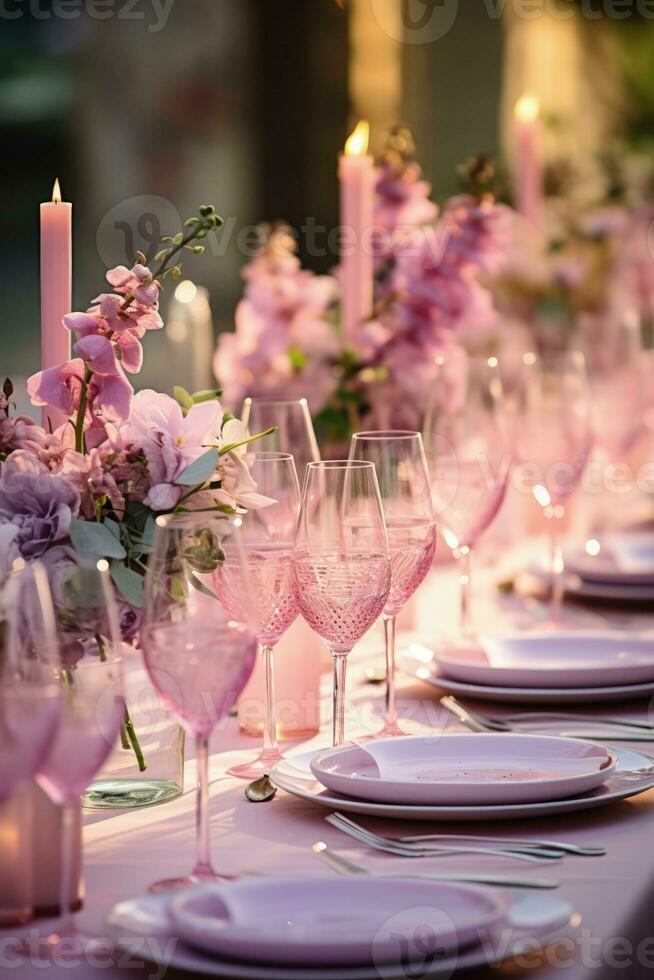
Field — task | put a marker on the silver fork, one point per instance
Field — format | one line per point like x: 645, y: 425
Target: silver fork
x: 546, y: 847
x: 482, y: 723
x: 345, y: 867
x: 413, y: 850
x: 504, y: 724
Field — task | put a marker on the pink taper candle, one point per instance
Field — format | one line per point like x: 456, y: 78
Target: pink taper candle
x: 56, y: 287
x: 528, y: 159
x: 357, y: 179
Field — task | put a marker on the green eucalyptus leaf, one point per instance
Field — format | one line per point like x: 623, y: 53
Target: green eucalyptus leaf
x: 199, y: 471
x: 95, y: 540
x: 128, y: 582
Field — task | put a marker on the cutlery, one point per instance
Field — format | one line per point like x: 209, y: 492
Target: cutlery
x: 345, y: 867
x: 260, y: 790
x: 479, y: 723
x: 545, y: 846
x: 504, y: 724
x: 413, y: 850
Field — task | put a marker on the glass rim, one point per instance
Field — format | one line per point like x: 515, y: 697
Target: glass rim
x: 187, y: 517
x: 381, y: 434
x: 252, y: 399
x: 271, y: 457
x: 340, y: 464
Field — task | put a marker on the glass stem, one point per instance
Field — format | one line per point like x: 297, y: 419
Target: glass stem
x: 270, y: 719
x: 389, y: 637
x: 556, y: 568
x: 338, y: 728
x: 66, y: 926
x: 466, y: 592
x: 203, y: 866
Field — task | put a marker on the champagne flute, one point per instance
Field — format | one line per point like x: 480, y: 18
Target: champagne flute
x: 268, y: 537
x: 341, y: 562
x: 468, y: 456
x: 554, y: 439
x: 401, y: 468
x: 90, y: 679
x: 199, y: 654
x: 294, y: 429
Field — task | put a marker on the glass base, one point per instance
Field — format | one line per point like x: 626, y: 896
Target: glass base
x: 128, y: 793
x: 187, y: 881
x: 258, y: 767
x: 387, y: 731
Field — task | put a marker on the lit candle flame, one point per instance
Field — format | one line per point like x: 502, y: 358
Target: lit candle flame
x: 56, y: 192
x: 357, y: 143
x: 527, y: 108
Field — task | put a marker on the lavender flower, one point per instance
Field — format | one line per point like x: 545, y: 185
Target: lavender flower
x: 40, y: 504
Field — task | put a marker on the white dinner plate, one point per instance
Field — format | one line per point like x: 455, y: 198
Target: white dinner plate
x: 142, y: 929
x: 634, y: 774
x: 419, y: 661
x: 551, y: 659
x: 466, y: 769
x: 625, y: 558
x: 318, y: 920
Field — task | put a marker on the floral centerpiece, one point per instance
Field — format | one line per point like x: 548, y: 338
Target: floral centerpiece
x: 94, y: 486
x: 429, y: 292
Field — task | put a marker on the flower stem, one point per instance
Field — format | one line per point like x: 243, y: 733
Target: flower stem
x: 81, y: 412
x: 127, y: 728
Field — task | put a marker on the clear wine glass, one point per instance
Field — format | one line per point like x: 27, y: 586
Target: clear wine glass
x: 30, y: 693
x: 613, y: 350
x: 268, y: 537
x: 341, y: 562
x: 554, y: 437
x: 198, y: 652
x: 401, y: 468
x: 92, y: 708
x: 467, y: 446
x: 294, y: 429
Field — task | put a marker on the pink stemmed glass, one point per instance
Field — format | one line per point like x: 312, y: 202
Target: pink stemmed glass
x: 468, y: 457
x: 291, y: 420
x: 30, y: 693
x: 268, y: 536
x: 401, y: 468
x: 554, y: 438
x: 92, y: 708
x: 198, y: 652
x: 341, y: 562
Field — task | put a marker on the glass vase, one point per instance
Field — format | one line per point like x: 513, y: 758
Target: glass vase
x: 146, y: 766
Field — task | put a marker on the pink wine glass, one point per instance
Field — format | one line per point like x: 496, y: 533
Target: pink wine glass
x: 90, y: 681
x: 294, y: 433
x: 468, y: 457
x: 268, y: 537
x: 30, y: 694
x: 198, y: 652
x: 554, y: 437
x: 401, y: 468
x: 341, y: 562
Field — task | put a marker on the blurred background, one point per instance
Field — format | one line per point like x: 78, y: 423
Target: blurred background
x: 145, y: 108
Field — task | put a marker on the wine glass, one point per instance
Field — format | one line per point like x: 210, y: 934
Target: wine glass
x: 294, y: 429
x: 268, y: 537
x: 341, y: 562
x: 30, y: 694
x: 554, y: 439
x: 401, y: 468
x: 92, y: 709
x: 467, y: 448
x: 199, y: 654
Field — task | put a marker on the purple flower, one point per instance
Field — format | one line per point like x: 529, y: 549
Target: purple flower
x: 40, y: 504
x: 129, y: 619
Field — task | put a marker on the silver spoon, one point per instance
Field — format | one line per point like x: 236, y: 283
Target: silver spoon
x: 260, y: 790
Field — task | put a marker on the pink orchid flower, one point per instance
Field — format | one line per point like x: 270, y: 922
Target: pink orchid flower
x: 59, y: 387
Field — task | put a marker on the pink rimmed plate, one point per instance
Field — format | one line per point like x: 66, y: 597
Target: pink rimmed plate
x: 319, y: 920
x: 551, y: 659
x: 465, y: 769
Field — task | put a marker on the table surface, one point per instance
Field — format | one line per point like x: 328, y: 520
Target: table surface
x: 613, y: 895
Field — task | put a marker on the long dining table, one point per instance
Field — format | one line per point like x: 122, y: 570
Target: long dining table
x: 612, y: 896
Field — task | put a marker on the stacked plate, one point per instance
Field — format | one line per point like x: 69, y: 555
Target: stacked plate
x: 540, y: 667
x: 620, y: 568
x: 465, y: 776
x: 330, y: 928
